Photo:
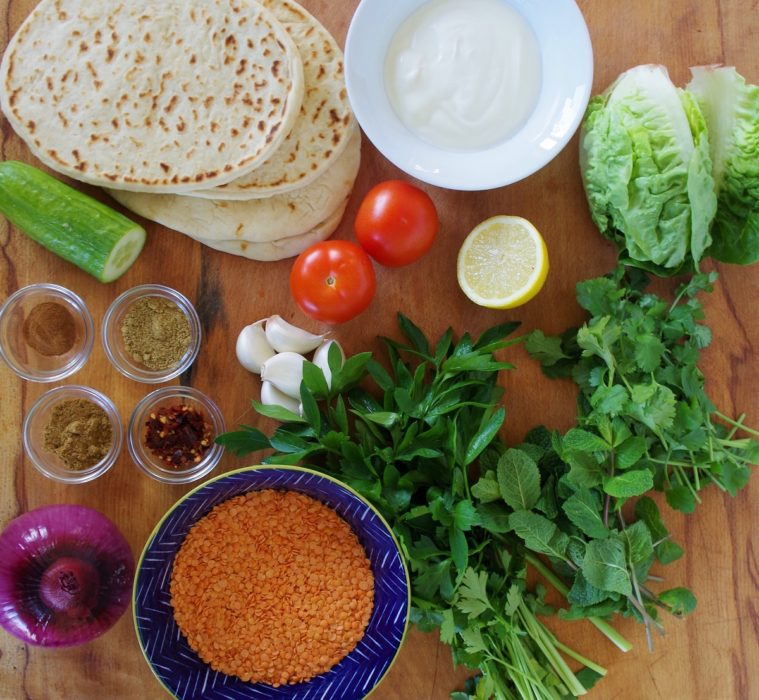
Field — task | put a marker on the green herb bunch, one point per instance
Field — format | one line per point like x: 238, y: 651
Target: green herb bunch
x: 408, y: 439
x: 644, y: 422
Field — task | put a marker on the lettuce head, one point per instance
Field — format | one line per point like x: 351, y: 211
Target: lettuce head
x: 647, y: 171
x: 731, y: 109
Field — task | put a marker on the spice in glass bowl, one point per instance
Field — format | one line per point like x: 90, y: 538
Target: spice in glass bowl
x: 156, y: 333
x: 79, y: 432
x: 178, y: 435
x: 49, y: 329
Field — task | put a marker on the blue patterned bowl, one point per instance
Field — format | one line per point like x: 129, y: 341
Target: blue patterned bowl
x: 181, y: 671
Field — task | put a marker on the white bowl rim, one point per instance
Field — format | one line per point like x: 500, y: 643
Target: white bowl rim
x: 564, y: 95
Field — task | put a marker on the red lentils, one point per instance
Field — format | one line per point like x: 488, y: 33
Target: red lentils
x: 272, y: 587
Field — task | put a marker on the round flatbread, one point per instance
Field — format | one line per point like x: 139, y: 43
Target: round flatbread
x: 284, y: 247
x: 152, y: 95
x: 255, y: 220
x: 325, y: 123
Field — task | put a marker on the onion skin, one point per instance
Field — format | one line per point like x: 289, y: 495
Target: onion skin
x: 66, y: 575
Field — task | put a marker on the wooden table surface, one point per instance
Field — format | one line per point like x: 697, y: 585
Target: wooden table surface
x: 713, y: 655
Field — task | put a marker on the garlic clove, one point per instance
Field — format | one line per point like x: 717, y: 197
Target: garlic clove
x: 321, y: 359
x: 284, y: 337
x: 271, y: 396
x: 285, y: 372
x: 252, y: 348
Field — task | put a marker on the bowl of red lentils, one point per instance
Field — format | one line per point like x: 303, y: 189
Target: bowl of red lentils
x: 271, y: 582
x: 171, y: 434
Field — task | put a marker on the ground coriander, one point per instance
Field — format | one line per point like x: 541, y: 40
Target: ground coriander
x: 156, y: 333
x: 79, y: 432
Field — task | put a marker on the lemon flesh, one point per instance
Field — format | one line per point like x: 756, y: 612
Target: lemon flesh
x: 502, y: 263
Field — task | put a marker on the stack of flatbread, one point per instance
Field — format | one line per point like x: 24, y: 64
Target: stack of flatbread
x: 227, y: 120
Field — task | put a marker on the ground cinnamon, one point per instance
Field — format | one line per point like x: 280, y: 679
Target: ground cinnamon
x: 49, y: 329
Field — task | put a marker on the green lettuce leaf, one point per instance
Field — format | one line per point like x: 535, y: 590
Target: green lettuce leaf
x: 731, y: 109
x: 647, y: 171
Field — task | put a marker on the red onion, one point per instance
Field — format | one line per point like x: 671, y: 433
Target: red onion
x: 65, y: 575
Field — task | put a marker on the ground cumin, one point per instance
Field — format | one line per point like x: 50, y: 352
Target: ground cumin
x: 79, y: 432
x: 272, y: 587
x: 156, y: 333
x: 50, y: 329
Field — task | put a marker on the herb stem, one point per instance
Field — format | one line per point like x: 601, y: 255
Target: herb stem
x: 601, y: 625
x: 737, y: 424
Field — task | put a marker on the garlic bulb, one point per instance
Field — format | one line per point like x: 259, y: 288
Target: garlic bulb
x: 321, y: 359
x: 271, y: 396
x: 252, y: 348
x: 285, y: 372
x: 284, y: 337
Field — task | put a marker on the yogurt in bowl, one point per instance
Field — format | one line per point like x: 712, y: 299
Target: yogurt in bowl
x: 469, y: 94
x: 463, y: 74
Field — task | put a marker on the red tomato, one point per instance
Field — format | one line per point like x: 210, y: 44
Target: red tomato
x: 333, y: 281
x: 396, y: 223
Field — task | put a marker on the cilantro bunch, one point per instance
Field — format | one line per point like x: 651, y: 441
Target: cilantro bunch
x: 644, y: 422
x: 408, y: 437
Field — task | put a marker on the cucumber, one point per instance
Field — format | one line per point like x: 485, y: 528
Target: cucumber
x: 68, y: 223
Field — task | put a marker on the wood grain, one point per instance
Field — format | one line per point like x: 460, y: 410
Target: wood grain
x: 712, y: 655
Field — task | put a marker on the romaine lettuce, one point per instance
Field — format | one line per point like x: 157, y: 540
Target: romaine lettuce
x: 646, y: 167
x: 731, y: 110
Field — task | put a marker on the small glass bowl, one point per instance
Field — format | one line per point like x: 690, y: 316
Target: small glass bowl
x: 22, y: 358
x: 113, y: 340
x: 166, y: 397
x: 48, y: 462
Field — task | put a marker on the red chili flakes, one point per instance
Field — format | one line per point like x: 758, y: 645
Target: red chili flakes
x: 178, y: 435
x: 272, y: 587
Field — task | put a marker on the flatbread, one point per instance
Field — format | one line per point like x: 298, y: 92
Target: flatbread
x: 284, y: 247
x: 325, y: 123
x: 256, y: 220
x: 152, y: 95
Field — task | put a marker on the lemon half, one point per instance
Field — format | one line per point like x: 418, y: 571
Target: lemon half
x: 502, y: 263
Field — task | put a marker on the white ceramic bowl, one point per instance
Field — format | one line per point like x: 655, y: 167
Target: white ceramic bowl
x: 567, y: 78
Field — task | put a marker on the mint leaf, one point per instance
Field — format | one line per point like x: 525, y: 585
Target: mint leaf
x: 583, y: 594
x: 605, y: 566
x: 584, y: 510
x: 629, y: 484
x: 638, y: 544
x: 680, y: 601
x: 518, y: 479
x: 585, y: 471
x: 630, y: 452
x: 681, y: 498
x: 539, y: 534
x: 666, y: 550
x: 578, y: 440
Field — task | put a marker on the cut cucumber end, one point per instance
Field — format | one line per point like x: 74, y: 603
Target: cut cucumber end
x: 124, y: 253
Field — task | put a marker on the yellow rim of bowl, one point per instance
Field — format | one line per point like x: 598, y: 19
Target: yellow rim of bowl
x: 262, y: 467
